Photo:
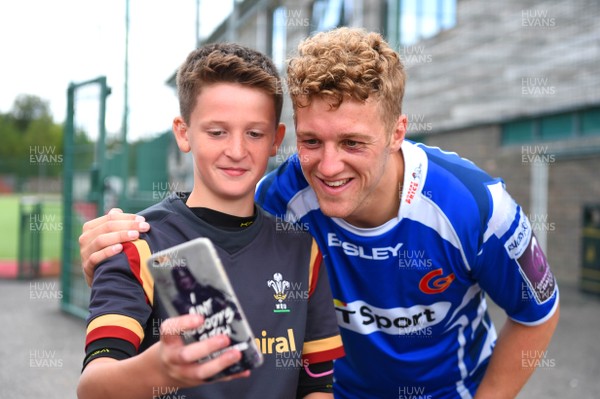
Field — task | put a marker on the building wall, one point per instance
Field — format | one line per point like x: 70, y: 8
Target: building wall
x: 503, y: 60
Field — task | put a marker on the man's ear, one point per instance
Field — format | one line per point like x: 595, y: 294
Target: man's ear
x: 180, y: 130
x: 398, y: 134
x: 279, y: 135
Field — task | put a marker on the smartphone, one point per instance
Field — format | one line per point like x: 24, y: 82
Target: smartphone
x: 190, y: 279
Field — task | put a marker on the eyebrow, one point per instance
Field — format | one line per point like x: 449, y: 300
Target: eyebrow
x: 342, y: 136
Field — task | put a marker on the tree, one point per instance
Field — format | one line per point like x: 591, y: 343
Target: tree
x: 32, y: 144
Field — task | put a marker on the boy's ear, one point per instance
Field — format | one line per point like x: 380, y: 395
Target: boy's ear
x: 180, y: 130
x: 398, y: 133
x: 279, y: 135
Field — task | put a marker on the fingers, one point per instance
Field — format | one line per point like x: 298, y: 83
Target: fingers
x: 102, y: 237
x: 181, y: 360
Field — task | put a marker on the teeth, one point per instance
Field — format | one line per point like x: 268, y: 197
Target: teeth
x: 336, y: 183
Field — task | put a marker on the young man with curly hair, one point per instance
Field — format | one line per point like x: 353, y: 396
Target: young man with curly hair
x: 413, y: 237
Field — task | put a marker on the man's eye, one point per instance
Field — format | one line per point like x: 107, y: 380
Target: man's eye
x: 351, y: 143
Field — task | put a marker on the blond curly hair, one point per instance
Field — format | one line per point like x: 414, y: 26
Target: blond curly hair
x: 348, y: 62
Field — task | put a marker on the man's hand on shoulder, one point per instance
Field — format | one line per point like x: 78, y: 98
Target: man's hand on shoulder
x: 102, y: 237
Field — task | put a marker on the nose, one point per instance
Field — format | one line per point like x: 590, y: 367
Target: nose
x: 330, y: 164
x: 236, y: 148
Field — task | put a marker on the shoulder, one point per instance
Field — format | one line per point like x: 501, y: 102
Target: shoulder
x: 279, y: 186
x: 458, y: 187
x: 168, y: 206
x: 286, y: 232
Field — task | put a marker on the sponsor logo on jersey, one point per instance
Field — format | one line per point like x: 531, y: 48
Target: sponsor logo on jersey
x: 277, y: 344
x: 519, y: 240
x: 434, y: 282
x: 413, y: 186
x: 371, y: 253
x: 363, y: 318
x: 536, y: 272
x: 281, y: 288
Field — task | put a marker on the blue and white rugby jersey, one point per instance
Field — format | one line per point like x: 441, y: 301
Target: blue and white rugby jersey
x: 409, y: 294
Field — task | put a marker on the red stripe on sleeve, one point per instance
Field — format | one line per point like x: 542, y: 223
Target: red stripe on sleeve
x: 324, y: 356
x: 133, y: 257
x: 113, y: 332
x: 315, y: 273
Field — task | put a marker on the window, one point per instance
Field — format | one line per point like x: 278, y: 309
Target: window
x: 279, y: 37
x: 556, y: 127
x: 552, y: 127
x: 590, y: 122
x: 412, y: 20
x: 330, y: 14
x: 517, y: 132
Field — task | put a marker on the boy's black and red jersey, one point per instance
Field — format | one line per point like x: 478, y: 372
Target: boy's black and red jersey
x: 275, y: 270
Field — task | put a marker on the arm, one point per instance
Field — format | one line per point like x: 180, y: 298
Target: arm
x: 167, y: 364
x: 101, y: 238
x: 319, y: 395
x: 511, y: 364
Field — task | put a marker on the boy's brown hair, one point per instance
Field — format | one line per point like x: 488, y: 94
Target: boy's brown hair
x: 348, y: 62
x: 226, y: 63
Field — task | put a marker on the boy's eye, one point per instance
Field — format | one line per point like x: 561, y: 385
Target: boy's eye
x: 255, y: 134
x: 216, y: 133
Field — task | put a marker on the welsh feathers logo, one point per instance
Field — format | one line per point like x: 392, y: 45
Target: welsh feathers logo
x: 281, y: 288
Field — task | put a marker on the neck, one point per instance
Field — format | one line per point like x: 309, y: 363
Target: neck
x: 384, y: 203
x: 241, y: 207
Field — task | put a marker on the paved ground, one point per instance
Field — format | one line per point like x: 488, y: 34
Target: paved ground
x: 42, y: 347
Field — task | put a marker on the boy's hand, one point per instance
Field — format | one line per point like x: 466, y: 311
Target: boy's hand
x: 180, y: 361
x: 102, y: 237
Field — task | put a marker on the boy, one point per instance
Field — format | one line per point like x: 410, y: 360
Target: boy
x: 230, y: 105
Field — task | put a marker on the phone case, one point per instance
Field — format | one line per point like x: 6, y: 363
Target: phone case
x: 190, y: 279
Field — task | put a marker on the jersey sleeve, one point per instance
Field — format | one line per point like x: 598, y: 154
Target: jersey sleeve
x: 511, y: 266
x: 120, y: 304
x: 278, y: 187
x: 322, y: 339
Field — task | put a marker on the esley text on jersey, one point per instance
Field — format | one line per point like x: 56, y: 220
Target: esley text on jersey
x: 350, y: 249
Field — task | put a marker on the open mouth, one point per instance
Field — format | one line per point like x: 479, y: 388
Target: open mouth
x: 336, y: 183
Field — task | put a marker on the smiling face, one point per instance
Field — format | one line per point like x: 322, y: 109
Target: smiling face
x: 352, y: 163
x: 232, y: 132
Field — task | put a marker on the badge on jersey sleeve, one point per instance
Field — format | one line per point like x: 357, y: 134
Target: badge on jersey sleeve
x: 533, y: 265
